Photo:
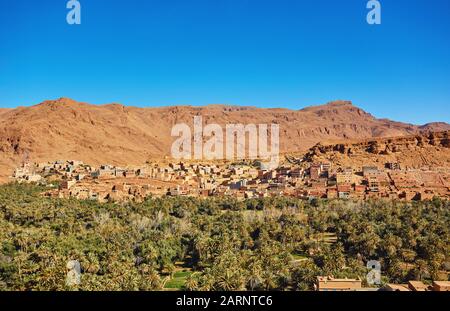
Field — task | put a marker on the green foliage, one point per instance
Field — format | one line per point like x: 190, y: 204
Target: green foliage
x: 221, y: 243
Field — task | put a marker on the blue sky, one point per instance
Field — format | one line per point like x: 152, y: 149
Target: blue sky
x: 245, y: 52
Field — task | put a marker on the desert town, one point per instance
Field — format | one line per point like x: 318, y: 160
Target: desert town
x: 245, y: 180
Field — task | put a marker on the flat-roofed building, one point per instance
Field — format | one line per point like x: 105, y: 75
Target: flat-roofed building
x: 417, y: 286
x: 373, y: 182
x: 296, y: 173
x: 344, y: 191
x: 344, y: 178
x: 369, y: 170
x: 315, y: 170
x: 441, y: 286
x: 324, y: 283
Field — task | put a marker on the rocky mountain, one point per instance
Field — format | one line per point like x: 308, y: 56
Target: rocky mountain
x: 430, y: 149
x: 122, y: 135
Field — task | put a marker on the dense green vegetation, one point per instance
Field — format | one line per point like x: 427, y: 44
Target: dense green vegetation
x: 216, y: 244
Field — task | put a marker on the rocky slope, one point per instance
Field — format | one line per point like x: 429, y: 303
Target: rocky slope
x: 414, y: 151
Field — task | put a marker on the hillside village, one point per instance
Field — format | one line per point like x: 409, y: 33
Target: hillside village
x: 108, y: 183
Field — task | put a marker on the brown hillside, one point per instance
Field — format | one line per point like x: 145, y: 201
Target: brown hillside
x: 413, y: 151
x: 66, y: 129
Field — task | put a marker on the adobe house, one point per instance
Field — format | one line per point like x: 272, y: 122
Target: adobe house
x: 324, y: 283
x: 417, y: 286
x: 441, y: 286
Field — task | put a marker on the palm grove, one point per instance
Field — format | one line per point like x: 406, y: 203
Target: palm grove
x: 215, y: 244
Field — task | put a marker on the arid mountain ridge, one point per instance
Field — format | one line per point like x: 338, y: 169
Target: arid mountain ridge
x: 122, y: 135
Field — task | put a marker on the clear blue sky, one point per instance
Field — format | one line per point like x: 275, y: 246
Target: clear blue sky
x: 276, y: 53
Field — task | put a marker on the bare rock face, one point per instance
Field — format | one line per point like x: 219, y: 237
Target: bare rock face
x: 121, y: 135
x: 417, y: 150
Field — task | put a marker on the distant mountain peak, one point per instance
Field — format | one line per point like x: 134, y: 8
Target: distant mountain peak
x: 336, y: 104
x: 63, y: 101
x: 339, y: 103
